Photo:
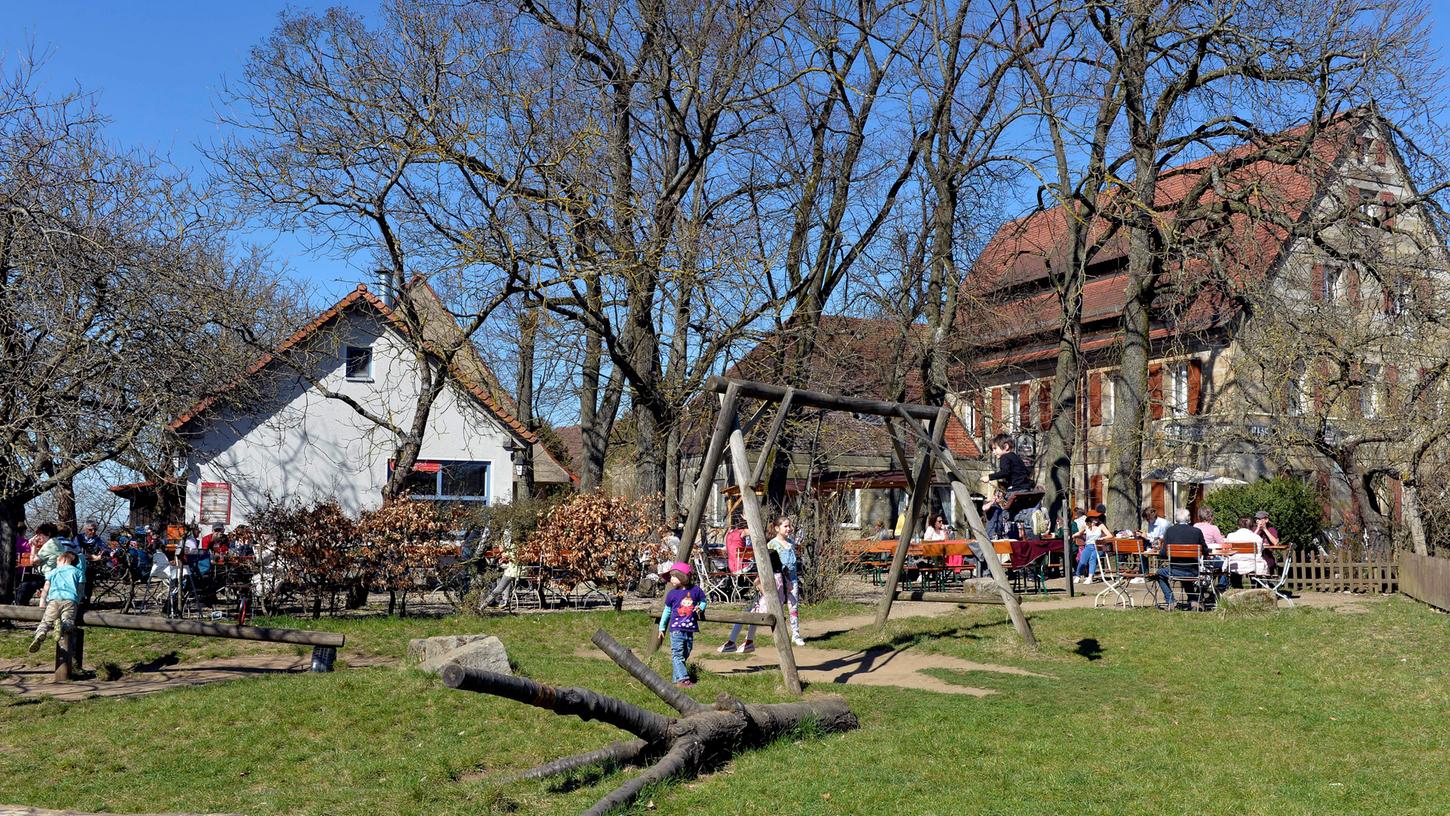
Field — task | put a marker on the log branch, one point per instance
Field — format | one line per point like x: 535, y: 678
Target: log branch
x: 578, y: 702
x: 625, y: 752
x: 625, y: 659
x: 681, y: 760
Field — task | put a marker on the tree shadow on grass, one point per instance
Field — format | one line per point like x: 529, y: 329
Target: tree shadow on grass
x: 1090, y: 649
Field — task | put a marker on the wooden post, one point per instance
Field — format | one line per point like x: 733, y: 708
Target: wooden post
x: 981, y: 543
x: 983, y: 546
x: 920, y: 487
x: 750, y: 503
x: 723, y: 423
x: 1067, y: 565
x: 64, y: 657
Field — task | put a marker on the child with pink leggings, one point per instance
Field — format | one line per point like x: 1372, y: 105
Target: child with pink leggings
x: 760, y: 606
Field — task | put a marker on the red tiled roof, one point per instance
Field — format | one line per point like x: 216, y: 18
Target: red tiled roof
x: 361, y: 297
x: 1017, y: 256
x: 126, y: 488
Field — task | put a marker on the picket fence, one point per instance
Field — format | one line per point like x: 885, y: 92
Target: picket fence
x: 1341, y: 573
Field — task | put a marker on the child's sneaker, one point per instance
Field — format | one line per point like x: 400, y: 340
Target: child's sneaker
x: 34, y: 646
x: 727, y: 647
x: 686, y: 684
x: 798, y: 641
x: 748, y: 647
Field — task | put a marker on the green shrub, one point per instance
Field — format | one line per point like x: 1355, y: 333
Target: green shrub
x: 1295, y: 509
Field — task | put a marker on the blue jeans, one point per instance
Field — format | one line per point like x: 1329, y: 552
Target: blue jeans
x: 1087, y: 556
x: 681, y: 644
x: 1167, y: 575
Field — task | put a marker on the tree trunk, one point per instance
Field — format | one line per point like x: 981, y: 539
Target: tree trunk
x: 672, y: 474
x: 649, y: 443
x: 1130, y: 388
x: 12, y: 515
x: 65, y: 504
x: 1413, y: 520
x: 701, y: 738
x: 524, y: 391
x: 1055, y: 459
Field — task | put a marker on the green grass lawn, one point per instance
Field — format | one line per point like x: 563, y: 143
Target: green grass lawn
x: 1301, y: 712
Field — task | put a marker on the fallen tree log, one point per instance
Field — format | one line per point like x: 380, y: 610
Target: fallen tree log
x: 172, y: 626
x: 680, y: 747
x: 948, y: 597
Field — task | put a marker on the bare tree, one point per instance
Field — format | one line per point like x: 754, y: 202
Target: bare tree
x: 114, y: 294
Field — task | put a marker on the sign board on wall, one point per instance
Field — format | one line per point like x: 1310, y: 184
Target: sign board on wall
x: 216, y: 503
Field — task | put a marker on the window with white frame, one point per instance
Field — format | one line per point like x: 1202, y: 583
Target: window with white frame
x: 1334, y: 283
x: 970, y: 417
x: 1296, y: 390
x: 1012, y: 410
x: 1368, y: 203
x: 1107, y: 397
x: 450, y: 480
x: 1371, y: 392
x: 1176, y: 389
x: 359, y: 363
x: 850, y: 506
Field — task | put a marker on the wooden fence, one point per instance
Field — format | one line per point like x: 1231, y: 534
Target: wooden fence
x: 1339, y: 573
x: 1426, y: 579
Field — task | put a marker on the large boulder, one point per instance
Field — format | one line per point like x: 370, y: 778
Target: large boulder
x: 483, y: 652
x: 1248, y: 600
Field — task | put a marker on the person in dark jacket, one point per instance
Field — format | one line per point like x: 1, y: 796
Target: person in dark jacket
x: 1011, y: 471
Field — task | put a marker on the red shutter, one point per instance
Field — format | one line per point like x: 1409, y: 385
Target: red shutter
x: 1155, y: 390
x: 1095, y: 399
x: 1387, y: 203
x: 1392, y: 381
x: 1379, y: 152
x: 1397, y: 494
x: 1044, y: 405
x: 1316, y: 282
x: 1095, y: 491
x: 1024, y: 407
x: 1195, y: 385
x: 1351, y: 286
x: 1160, y: 498
x: 981, y: 424
x: 997, y: 424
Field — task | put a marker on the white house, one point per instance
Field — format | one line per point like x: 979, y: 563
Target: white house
x: 311, y: 426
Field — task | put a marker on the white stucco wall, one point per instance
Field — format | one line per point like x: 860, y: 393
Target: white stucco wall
x: 307, y: 446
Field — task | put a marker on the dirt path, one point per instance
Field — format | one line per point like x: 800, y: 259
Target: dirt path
x: 883, y: 666
x: 35, y: 681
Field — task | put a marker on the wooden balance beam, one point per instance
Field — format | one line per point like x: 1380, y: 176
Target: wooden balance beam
x: 70, y: 649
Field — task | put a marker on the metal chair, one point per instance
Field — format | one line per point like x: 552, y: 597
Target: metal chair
x: 1120, y: 560
x: 1276, y: 584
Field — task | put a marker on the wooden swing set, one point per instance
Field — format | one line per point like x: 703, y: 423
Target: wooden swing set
x: 926, y: 422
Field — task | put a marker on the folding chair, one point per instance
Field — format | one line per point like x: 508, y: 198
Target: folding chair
x: 718, y: 585
x: 1120, y: 560
x: 1276, y: 585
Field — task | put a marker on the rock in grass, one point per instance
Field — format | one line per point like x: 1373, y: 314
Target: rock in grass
x: 487, y: 654
x: 1248, y: 600
x: 424, y: 649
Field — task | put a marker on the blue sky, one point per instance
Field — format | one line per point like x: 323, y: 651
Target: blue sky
x: 156, y: 67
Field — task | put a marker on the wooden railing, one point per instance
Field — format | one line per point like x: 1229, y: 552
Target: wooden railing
x: 1339, y: 573
x: 1426, y: 579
